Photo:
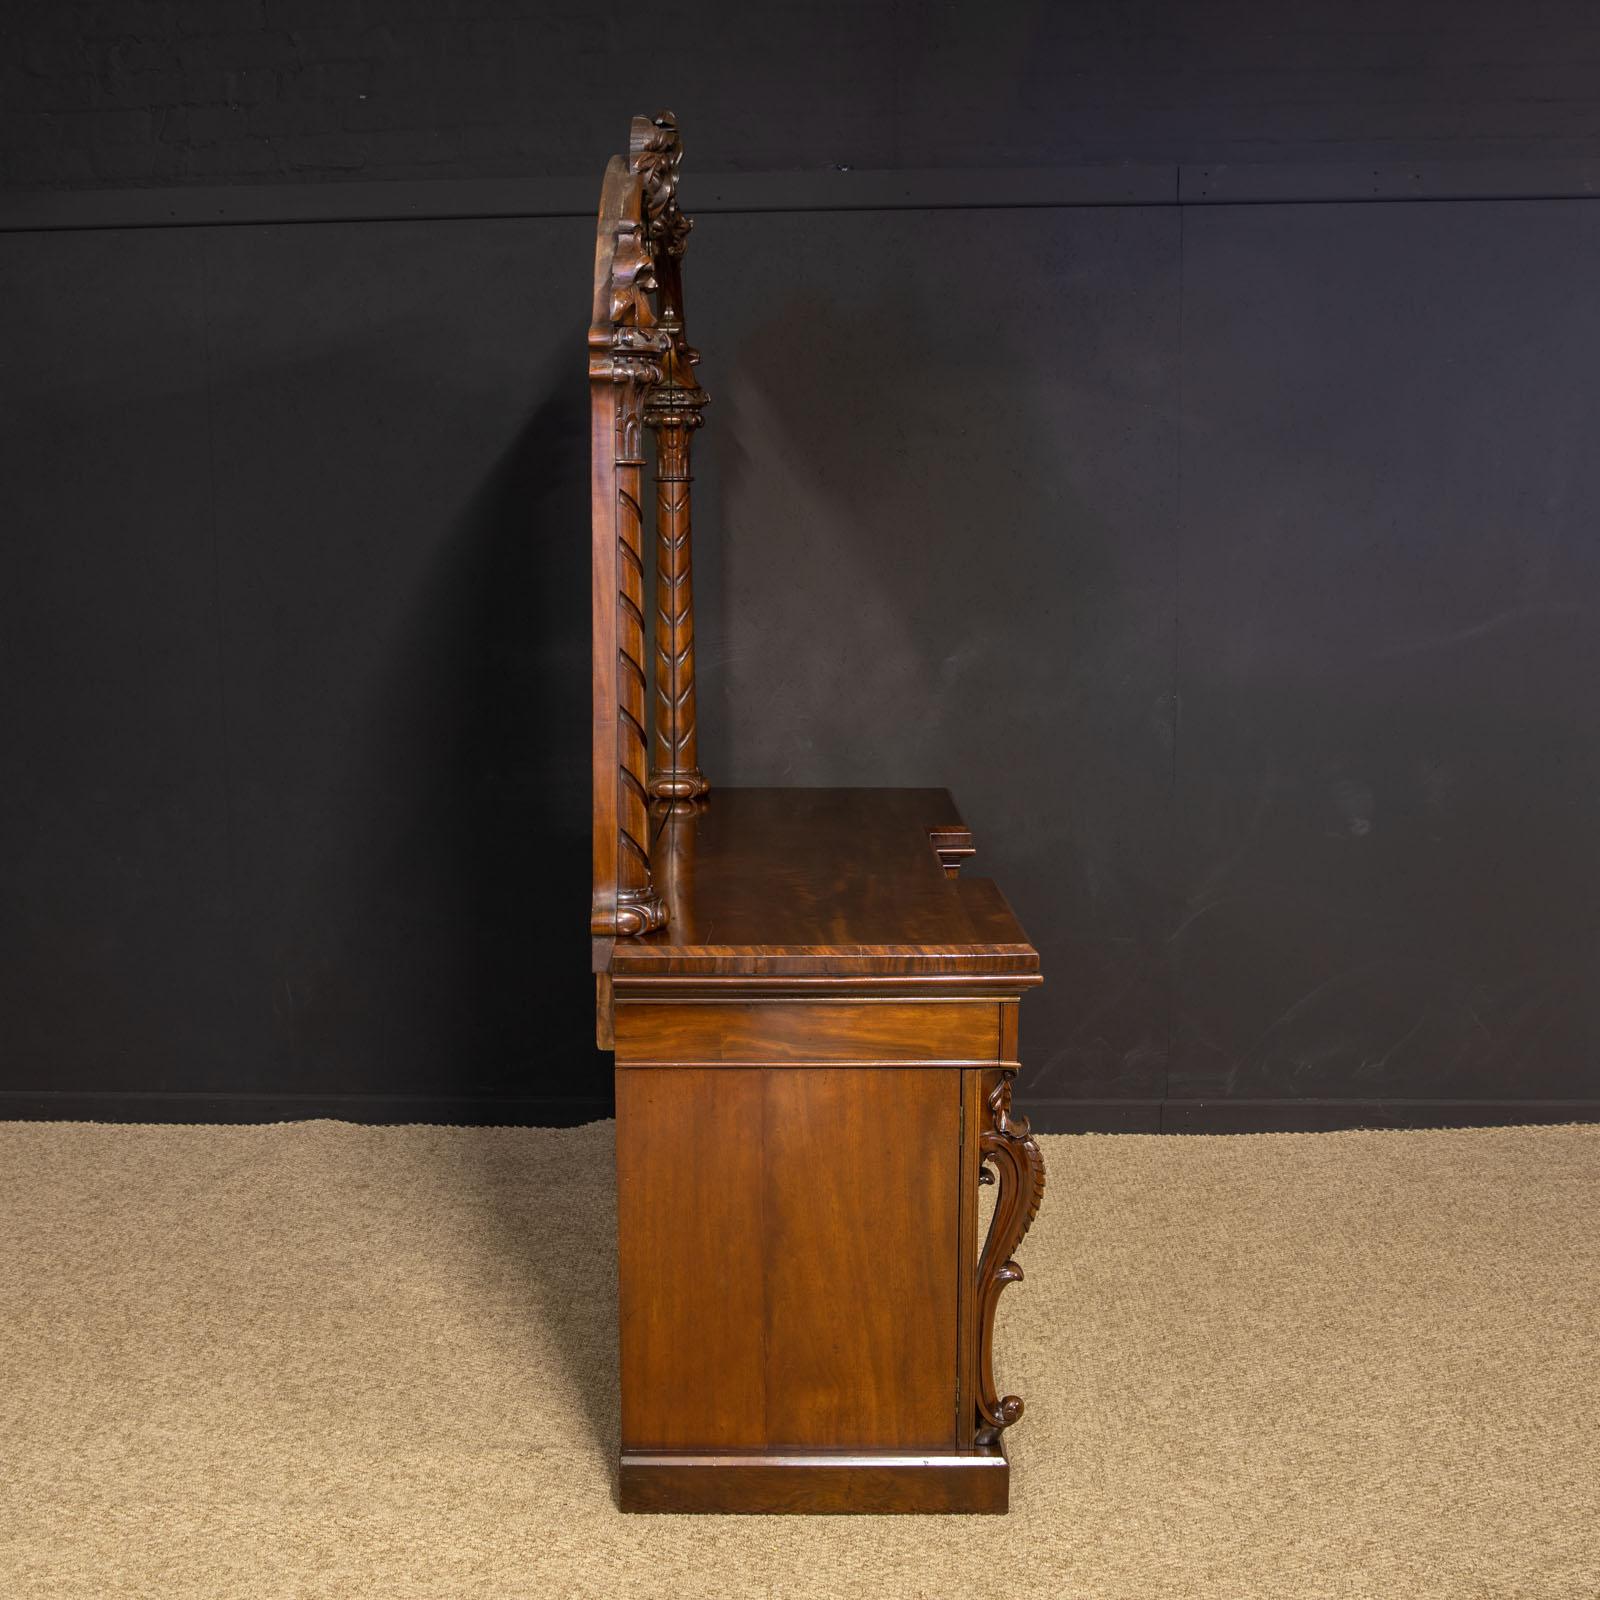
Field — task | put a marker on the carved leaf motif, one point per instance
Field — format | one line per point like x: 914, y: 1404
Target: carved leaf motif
x: 656, y: 154
x: 675, y: 768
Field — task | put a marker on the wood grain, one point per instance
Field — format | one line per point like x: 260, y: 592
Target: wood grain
x: 822, y: 882
x: 972, y: 1111
x: 691, y: 1259
x: 862, y: 1198
x: 657, y: 1033
x: 788, y: 1261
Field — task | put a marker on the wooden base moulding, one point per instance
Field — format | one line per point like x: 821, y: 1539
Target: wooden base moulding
x: 821, y: 1482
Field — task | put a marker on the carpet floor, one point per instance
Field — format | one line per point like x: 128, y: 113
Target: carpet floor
x: 314, y: 1359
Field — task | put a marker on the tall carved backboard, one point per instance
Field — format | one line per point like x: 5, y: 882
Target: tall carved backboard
x: 641, y: 377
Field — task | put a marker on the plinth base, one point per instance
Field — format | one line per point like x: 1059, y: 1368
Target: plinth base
x: 971, y: 1481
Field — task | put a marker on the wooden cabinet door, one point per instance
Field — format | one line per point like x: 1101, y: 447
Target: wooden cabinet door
x: 790, y: 1256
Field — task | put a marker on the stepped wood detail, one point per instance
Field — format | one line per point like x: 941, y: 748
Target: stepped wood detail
x: 814, y: 1016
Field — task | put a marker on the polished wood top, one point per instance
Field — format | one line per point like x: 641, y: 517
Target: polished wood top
x: 822, y: 883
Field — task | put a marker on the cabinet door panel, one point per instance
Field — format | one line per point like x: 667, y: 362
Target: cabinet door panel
x: 788, y: 1257
x: 862, y: 1195
x: 689, y: 1200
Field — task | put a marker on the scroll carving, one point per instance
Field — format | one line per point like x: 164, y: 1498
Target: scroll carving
x: 626, y: 351
x: 1007, y: 1148
x: 673, y: 409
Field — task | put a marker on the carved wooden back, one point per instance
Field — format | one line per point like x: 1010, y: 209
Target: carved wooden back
x: 641, y: 373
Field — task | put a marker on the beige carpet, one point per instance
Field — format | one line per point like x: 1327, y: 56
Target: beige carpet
x: 322, y: 1360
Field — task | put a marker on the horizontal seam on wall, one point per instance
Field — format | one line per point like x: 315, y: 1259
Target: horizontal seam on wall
x: 1120, y: 186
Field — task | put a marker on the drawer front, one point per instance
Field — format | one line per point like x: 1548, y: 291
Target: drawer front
x: 806, y: 1032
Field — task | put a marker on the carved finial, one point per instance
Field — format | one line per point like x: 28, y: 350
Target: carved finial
x: 655, y: 153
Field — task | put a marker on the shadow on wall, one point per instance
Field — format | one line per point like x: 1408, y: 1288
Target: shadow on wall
x: 933, y: 571
x: 480, y: 792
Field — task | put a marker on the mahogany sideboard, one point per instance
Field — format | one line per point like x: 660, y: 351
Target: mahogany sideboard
x: 814, y: 1017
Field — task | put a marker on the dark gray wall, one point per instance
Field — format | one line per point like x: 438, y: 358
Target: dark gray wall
x: 1234, y: 564
x: 1388, y: 755
x: 294, y: 725
x: 102, y: 92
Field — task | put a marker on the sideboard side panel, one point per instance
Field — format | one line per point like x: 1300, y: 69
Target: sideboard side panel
x: 689, y: 1202
x: 790, y: 1257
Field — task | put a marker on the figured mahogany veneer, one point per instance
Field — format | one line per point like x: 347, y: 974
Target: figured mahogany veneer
x: 791, y: 1330
x: 830, y: 883
x: 814, y: 1018
x: 787, y: 1033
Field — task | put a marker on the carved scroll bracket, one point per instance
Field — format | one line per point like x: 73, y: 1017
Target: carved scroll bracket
x: 1006, y: 1149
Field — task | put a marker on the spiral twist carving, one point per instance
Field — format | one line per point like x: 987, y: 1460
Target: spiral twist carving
x: 639, y: 907
x: 627, y: 350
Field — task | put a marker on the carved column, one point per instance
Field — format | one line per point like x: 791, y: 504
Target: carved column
x: 673, y: 409
x: 1008, y: 1149
x: 675, y: 761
